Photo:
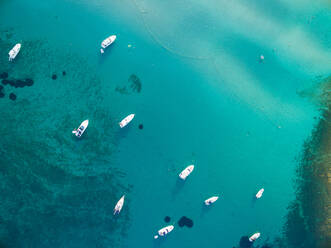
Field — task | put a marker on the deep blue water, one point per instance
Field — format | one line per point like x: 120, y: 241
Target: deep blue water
x: 205, y: 98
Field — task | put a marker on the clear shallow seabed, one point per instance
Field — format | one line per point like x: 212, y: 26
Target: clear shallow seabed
x: 205, y: 98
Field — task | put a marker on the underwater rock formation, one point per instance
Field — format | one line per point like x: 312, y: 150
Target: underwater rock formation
x: 245, y: 243
x: 135, y: 83
x: 18, y: 83
x: 3, y: 75
x: 12, y: 96
x: 310, y: 214
x: 167, y: 219
x: 184, y: 221
x: 28, y: 82
x: 2, y: 94
x: 5, y: 81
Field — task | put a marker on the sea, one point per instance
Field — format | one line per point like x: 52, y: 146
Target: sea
x: 214, y: 83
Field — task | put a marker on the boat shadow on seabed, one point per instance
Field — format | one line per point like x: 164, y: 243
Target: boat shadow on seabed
x: 104, y: 56
x: 206, y: 209
x: 159, y: 242
x: 122, y: 133
x: 177, y: 187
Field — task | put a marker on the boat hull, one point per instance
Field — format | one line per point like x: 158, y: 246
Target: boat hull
x: 119, y: 205
x: 126, y: 120
x: 81, y: 129
x: 14, y: 51
x: 254, y: 237
x: 211, y: 200
x: 260, y: 193
x: 164, y: 231
x: 186, y: 172
x: 107, y: 42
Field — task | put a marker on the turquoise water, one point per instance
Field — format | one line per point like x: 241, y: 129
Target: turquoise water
x: 205, y: 99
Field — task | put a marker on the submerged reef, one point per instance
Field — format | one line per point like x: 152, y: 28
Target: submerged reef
x: 184, y: 221
x: 309, y: 216
x: 308, y: 221
x: 3, y: 75
x: 167, y: 219
x: 245, y: 243
x: 134, y: 86
x: 18, y: 83
x: 135, y: 83
x: 2, y: 94
x: 12, y: 96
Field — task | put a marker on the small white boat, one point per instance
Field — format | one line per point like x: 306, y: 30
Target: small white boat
x: 185, y: 173
x: 254, y: 237
x: 81, y: 129
x: 260, y: 193
x: 126, y: 120
x: 119, y: 205
x: 14, y: 51
x: 107, y: 42
x: 211, y: 200
x: 164, y: 231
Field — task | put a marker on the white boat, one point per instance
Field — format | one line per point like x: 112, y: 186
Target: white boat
x: 14, y: 51
x: 126, y: 120
x: 164, y: 231
x: 81, y: 129
x: 260, y: 193
x: 185, y: 173
x: 211, y: 200
x: 119, y: 205
x: 107, y: 42
x: 254, y: 237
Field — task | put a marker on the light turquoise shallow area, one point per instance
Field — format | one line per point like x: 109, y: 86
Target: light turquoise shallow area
x: 205, y: 99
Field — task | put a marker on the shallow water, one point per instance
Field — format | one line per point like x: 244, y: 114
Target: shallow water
x: 205, y: 98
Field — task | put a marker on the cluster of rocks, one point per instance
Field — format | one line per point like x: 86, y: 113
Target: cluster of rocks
x: 16, y: 83
x: 2, y: 94
x: 54, y: 76
x: 134, y: 85
x: 184, y: 221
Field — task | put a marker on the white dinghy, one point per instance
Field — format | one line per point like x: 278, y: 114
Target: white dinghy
x: 260, y: 193
x: 211, y: 200
x: 79, y: 132
x: 107, y: 42
x: 126, y: 120
x: 186, y: 172
x: 254, y: 237
x: 14, y: 51
x: 119, y: 205
x: 164, y: 231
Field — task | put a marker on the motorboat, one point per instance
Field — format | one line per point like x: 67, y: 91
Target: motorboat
x: 126, y: 120
x: 119, y: 205
x: 107, y: 42
x: 211, y: 200
x: 164, y: 231
x: 260, y: 193
x: 81, y: 129
x: 254, y: 237
x: 14, y: 51
x: 186, y: 172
